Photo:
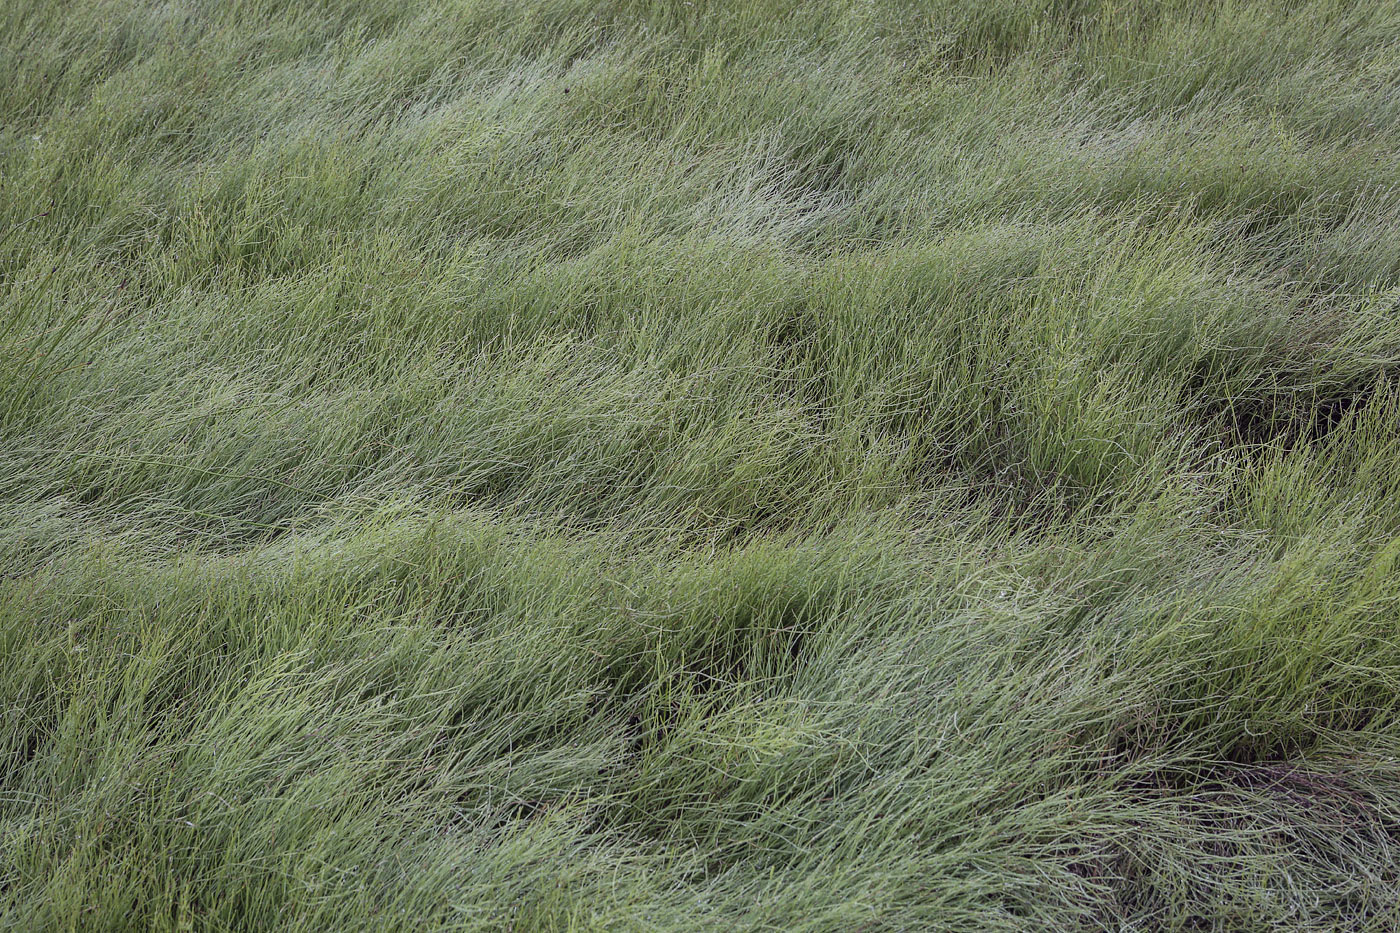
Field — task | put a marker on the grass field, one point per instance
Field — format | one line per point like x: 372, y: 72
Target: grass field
x: 648, y: 465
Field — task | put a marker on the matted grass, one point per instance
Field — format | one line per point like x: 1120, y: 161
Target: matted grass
x: 843, y: 465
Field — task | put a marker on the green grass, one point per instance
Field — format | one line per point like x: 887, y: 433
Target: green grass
x: 631, y: 465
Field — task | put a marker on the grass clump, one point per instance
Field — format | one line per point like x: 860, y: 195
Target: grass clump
x: 637, y: 465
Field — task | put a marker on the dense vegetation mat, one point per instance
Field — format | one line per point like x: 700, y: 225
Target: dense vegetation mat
x: 845, y: 465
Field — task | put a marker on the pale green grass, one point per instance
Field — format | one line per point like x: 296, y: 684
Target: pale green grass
x: 842, y: 465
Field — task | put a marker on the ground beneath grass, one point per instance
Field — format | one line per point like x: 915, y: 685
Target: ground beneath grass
x: 764, y: 465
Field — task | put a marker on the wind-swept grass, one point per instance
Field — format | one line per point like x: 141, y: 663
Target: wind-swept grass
x: 642, y: 465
